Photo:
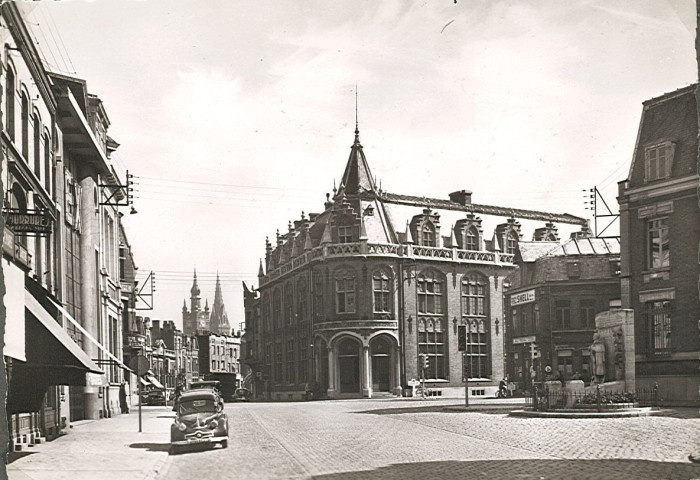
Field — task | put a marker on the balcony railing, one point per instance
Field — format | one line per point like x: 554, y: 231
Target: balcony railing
x: 416, y: 252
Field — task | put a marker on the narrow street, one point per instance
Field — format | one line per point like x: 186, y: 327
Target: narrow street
x: 359, y: 439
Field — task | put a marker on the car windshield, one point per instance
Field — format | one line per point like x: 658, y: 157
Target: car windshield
x: 196, y: 406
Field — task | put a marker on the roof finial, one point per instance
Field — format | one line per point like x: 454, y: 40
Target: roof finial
x: 357, y: 129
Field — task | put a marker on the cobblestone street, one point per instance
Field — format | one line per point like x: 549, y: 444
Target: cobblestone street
x: 358, y: 439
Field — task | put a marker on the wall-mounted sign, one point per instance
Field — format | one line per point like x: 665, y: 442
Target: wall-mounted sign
x: 38, y: 222
x: 521, y: 298
x: 523, y: 340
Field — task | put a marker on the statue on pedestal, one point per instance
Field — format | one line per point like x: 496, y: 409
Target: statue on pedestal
x: 597, y: 359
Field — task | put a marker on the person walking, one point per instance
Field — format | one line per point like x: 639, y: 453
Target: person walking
x: 123, y: 403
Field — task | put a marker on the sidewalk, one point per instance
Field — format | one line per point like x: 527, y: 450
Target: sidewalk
x: 108, y: 449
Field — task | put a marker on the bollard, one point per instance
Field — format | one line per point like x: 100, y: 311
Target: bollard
x: 597, y: 397
x: 534, y: 398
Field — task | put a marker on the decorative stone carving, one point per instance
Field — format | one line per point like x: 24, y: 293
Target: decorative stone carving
x: 597, y: 359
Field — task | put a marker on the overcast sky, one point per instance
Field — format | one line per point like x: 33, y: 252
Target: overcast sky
x: 236, y: 116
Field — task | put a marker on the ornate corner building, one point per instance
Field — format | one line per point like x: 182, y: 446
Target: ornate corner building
x: 351, y: 300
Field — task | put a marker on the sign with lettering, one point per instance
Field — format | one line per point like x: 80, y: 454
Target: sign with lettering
x: 522, y: 298
x: 28, y: 221
x: 523, y: 340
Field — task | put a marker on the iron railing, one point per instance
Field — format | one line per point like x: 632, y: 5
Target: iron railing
x: 543, y: 399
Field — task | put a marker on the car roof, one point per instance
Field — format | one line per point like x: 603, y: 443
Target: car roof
x: 205, y: 383
x: 202, y: 394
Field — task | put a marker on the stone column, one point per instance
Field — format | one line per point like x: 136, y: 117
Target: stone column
x: 396, y: 356
x: 365, y: 369
x: 332, y: 390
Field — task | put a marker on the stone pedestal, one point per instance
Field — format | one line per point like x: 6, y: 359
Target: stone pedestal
x: 575, y: 389
x: 616, y: 329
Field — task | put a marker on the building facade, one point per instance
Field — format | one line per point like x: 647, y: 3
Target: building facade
x: 551, y: 302
x: 365, y: 298
x: 659, y: 234
x: 60, y: 255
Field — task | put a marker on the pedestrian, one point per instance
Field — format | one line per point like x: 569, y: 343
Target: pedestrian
x: 123, y: 403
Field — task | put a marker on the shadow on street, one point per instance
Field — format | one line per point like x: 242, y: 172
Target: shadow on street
x: 152, y: 447
x: 12, y: 456
x: 527, y: 469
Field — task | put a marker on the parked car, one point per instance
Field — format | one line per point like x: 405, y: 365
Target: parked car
x: 154, y: 397
x: 206, y: 384
x: 242, y: 394
x: 199, y: 419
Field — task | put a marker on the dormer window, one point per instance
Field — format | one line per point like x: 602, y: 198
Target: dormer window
x: 658, y: 160
x: 471, y: 239
x: 511, y: 243
x: 345, y: 234
x: 428, y: 236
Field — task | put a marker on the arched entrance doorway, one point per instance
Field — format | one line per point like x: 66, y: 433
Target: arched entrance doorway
x: 380, y: 350
x: 349, y: 365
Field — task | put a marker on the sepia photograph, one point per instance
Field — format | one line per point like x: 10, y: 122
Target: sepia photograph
x: 350, y: 239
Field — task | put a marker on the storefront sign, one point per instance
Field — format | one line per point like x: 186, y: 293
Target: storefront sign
x: 95, y: 380
x: 522, y: 340
x: 521, y: 298
x: 28, y: 221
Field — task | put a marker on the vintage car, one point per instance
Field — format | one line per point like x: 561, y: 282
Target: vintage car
x: 199, y: 418
x: 154, y: 397
x: 242, y: 394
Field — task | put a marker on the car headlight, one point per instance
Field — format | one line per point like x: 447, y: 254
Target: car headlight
x: 213, y: 424
x: 181, y: 426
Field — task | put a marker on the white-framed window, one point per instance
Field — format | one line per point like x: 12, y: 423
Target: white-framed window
x: 658, y: 160
x: 658, y: 243
x: 431, y: 342
x: 430, y: 294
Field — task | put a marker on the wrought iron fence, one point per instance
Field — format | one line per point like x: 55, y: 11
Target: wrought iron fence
x: 544, y: 399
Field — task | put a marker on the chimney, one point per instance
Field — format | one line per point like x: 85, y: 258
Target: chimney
x: 463, y: 197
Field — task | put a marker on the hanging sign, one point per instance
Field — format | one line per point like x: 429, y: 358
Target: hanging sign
x: 28, y: 221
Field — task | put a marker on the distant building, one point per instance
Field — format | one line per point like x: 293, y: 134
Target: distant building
x: 352, y: 300
x: 659, y: 235
x: 551, y: 304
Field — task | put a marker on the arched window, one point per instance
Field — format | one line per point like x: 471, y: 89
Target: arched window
x: 345, y: 292
x: 471, y: 239
x: 428, y: 235
x: 25, y: 126
x: 289, y: 303
x: 511, y: 242
x: 10, y: 103
x: 37, y: 146
x: 381, y: 287
x: 18, y: 201
x: 47, y: 163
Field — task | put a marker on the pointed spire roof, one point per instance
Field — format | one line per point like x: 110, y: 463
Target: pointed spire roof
x: 218, y: 320
x: 357, y: 176
x: 195, y: 288
x: 261, y: 272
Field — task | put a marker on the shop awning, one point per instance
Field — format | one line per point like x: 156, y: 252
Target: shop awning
x: 50, y: 336
x: 155, y: 382
x: 144, y: 382
x: 87, y: 335
x: 52, y: 358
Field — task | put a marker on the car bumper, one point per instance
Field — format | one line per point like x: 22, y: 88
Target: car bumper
x: 195, y: 441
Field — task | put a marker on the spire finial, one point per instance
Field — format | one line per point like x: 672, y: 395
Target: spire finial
x: 357, y: 128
